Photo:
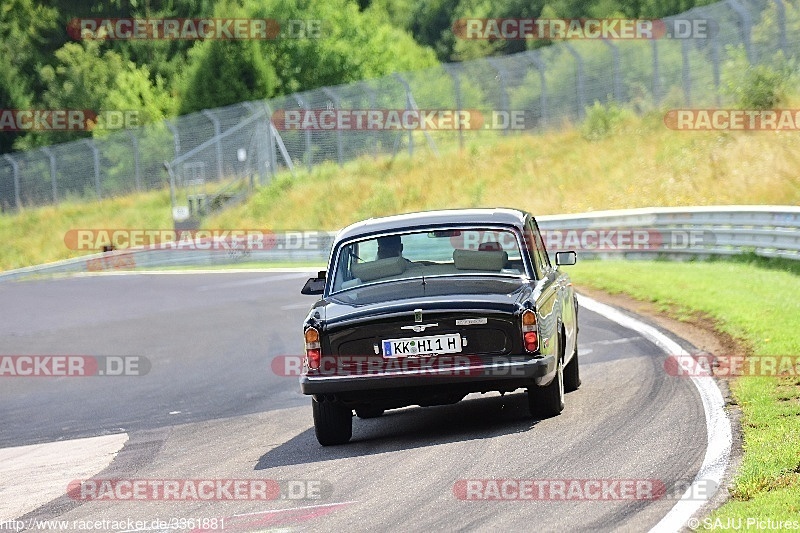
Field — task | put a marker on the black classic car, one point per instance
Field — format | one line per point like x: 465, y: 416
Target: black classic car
x: 425, y: 308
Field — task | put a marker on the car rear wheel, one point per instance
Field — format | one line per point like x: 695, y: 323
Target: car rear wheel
x: 548, y: 401
x: 572, y: 375
x: 333, y: 423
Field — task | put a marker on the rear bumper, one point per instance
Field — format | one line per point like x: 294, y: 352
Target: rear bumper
x: 498, y: 373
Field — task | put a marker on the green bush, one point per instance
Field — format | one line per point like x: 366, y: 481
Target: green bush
x: 603, y: 120
x: 762, y: 86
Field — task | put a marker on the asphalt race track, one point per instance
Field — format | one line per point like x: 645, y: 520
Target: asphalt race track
x: 211, y: 407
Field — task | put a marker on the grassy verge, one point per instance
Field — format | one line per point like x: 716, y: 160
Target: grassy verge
x: 758, y: 305
x: 34, y: 236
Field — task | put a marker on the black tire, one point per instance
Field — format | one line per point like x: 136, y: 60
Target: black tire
x: 546, y: 402
x: 333, y: 423
x: 572, y: 374
x: 369, y: 412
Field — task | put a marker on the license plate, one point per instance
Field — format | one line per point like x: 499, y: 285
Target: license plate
x: 438, y: 344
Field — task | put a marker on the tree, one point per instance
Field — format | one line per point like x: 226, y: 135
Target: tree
x: 223, y: 73
x: 23, y: 46
x: 352, y: 45
x: 83, y: 78
x: 12, y: 96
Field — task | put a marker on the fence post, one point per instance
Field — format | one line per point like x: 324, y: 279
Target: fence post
x: 540, y: 66
x: 137, y: 170
x: 172, y: 193
x: 176, y: 138
x: 501, y: 75
x: 656, y: 73
x: 412, y: 104
x: 336, y: 105
x: 747, y: 24
x: 15, y: 170
x: 616, y: 70
x: 309, y: 155
x: 263, y: 141
x: 255, y: 154
x: 271, y: 141
x: 52, y: 158
x: 372, y: 103
x: 217, y: 133
x: 580, y: 88
x: 96, y: 161
x: 782, y: 26
x: 451, y: 70
x: 686, y: 73
x: 716, y: 69
x: 409, y: 101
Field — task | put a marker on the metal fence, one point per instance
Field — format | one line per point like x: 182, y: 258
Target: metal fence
x: 552, y: 85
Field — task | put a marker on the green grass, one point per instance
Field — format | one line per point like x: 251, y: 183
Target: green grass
x: 759, y: 305
x: 36, y: 235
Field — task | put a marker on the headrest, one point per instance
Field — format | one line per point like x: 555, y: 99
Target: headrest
x: 479, y: 260
x: 380, y: 268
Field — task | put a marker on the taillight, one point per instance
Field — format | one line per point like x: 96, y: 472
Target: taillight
x: 313, y: 351
x: 530, y: 337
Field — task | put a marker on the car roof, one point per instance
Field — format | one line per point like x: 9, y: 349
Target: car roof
x: 444, y: 217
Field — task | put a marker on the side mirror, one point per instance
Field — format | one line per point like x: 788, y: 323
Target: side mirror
x: 566, y: 258
x: 314, y: 285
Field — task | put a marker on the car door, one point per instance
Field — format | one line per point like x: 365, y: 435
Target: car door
x: 565, y: 303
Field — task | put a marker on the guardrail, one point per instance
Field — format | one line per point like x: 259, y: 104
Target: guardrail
x: 647, y: 233
x: 689, y: 232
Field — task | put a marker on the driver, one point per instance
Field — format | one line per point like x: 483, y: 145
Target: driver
x: 390, y: 246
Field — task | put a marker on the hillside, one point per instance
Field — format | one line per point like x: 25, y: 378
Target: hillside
x: 640, y: 164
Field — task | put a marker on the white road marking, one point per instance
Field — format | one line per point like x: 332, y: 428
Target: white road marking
x: 32, y: 475
x: 718, y: 425
x: 254, y: 281
x: 609, y: 342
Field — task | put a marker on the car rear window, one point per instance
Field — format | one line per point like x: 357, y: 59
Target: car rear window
x: 439, y: 252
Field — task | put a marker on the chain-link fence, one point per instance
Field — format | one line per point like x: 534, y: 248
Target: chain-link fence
x: 203, y: 153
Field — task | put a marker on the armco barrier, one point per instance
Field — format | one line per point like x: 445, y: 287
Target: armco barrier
x: 768, y: 231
